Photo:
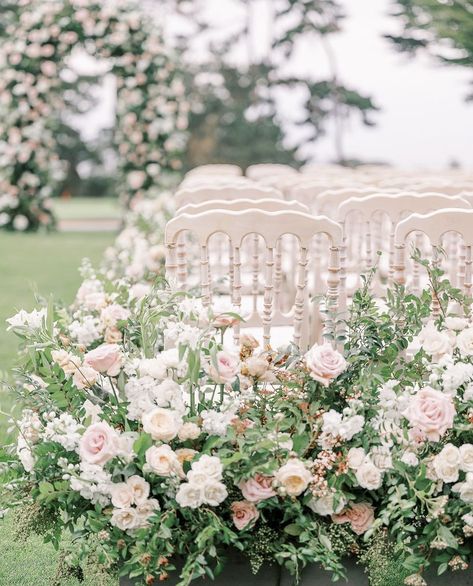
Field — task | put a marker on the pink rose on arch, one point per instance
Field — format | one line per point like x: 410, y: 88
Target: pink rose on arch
x: 359, y: 515
x: 106, y: 358
x: 258, y: 488
x: 431, y: 412
x: 99, y: 444
x: 225, y: 368
x: 324, y: 363
x: 243, y: 513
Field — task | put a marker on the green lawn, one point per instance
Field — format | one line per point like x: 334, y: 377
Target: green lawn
x: 48, y: 264
x: 79, y: 208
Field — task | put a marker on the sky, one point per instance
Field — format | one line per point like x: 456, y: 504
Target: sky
x: 424, y: 120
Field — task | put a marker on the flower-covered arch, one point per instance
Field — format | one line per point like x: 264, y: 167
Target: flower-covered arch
x: 151, y: 112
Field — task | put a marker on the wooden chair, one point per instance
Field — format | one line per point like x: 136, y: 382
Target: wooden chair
x: 271, y: 227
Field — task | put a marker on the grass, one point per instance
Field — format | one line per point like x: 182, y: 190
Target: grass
x: 47, y: 264
x: 87, y: 207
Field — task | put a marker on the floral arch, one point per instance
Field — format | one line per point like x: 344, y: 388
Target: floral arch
x: 151, y: 112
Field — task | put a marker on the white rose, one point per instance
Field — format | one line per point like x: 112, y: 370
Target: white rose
x: 465, y: 488
x: 293, y: 477
x: 153, y: 367
x: 410, y: 459
x: 146, y: 509
x: 162, y: 424
x: 466, y: 454
x: 355, y: 457
x: 189, y: 431
x: 214, y: 493
x: 210, y: 466
x: 197, y: 478
x: 190, y: 495
x: 125, y: 519
x: 433, y: 342
x: 122, y: 495
x: 455, y: 323
x: 163, y: 461
x: 465, y: 342
x: 326, y: 505
x: 369, y: 476
x: 139, y: 488
x: 447, y: 463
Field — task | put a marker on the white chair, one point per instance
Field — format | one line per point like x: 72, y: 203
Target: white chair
x: 215, y: 169
x: 271, y: 227
x: 435, y: 226
x: 201, y: 194
x: 266, y: 204
x: 261, y: 170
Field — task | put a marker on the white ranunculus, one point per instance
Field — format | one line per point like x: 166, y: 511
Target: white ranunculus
x: 162, y: 424
x: 466, y: 454
x: 122, y: 495
x: 326, y: 505
x: 447, y: 463
x: 211, y: 466
x: 355, y: 457
x: 465, y: 342
x: 190, y: 495
x: 293, y: 477
x: 139, y: 488
x: 369, y: 476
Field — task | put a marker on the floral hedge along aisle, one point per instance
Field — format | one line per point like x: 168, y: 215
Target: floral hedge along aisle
x: 151, y: 109
x: 165, y: 453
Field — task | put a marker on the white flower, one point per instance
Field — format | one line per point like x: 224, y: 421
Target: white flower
x: 32, y: 321
x: 465, y: 342
x: 455, y: 376
x: 215, y: 422
x: 162, y: 424
x: 343, y: 426
x: 153, y: 367
x: 190, y: 495
x: 122, y: 495
x: 214, y: 493
x: 447, y: 463
x: 163, y: 461
x: 210, y: 466
x: 381, y: 457
x: 434, y: 342
x: 465, y: 488
x: 91, y: 294
x: 293, y: 477
x: 355, y: 457
x: 455, y: 323
x: 125, y: 519
x: 64, y: 430
x: 326, y: 505
x: 369, y: 476
x: 139, y: 488
x: 409, y: 458
x: 466, y: 454
x: 189, y: 431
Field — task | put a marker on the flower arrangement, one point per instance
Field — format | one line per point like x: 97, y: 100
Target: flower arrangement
x: 151, y: 109
x: 152, y: 441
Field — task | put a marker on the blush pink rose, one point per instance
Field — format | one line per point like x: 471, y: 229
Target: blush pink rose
x: 431, y: 412
x: 359, y: 515
x: 106, y: 359
x: 258, y: 488
x: 225, y: 369
x: 324, y: 363
x: 114, y: 313
x: 99, y: 444
x: 243, y: 513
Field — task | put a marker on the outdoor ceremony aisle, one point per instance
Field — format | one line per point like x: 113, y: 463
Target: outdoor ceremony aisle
x: 335, y: 422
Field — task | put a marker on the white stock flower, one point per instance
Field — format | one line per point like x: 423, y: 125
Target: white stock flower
x: 409, y: 458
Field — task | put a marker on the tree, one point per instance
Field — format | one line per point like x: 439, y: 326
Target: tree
x: 444, y: 28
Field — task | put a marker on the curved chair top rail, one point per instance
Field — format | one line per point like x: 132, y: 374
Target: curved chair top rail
x: 202, y: 193
x: 447, y: 187
x: 335, y: 197
x: 311, y: 189
x: 261, y: 170
x: 216, y: 180
x: 215, y: 169
x: 436, y: 224
x: 397, y: 203
x: 238, y: 224
x: 266, y: 204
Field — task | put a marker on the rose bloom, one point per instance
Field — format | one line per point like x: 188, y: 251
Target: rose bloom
x: 214, y: 492
x: 248, y: 341
x: 163, y: 461
x: 99, y: 444
x: 258, y: 488
x: 190, y: 495
x: 432, y: 412
x: 225, y: 369
x: 106, y: 358
x: 256, y: 366
x: 85, y: 376
x: 125, y: 519
x: 68, y: 362
x: 224, y: 321
x: 465, y: 342
x: 243, y: 513
x: 139, y: 488
x: 447, y: 463
x: 210, y: 466
x: 325, y: 505
x: 114, y: 313
x: 359, y: 515
x: 186, y: 455
x: 189, y: 431
x: 369, y: 476
x: 162, y: 424
x: 324, y: 363
x: 122, y: 495
x: 466, y: 453
x: 435, y: 343
x: 355, y: 457
x: 293, y: 477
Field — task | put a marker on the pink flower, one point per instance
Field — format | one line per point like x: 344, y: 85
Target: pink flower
x: 324, y: 363
x: 431, y: 412
x: 225, y: 369
x: 243, y: 513
x: 85, y: 376
x: 113, y: 313
x: 106, y: 358
x: 99, y: 444
x: 359, y: 515
x: 224, y: 320
x: 258, y: 488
